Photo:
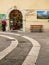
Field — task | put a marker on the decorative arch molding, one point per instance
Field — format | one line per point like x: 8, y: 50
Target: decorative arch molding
x: 23, y: 14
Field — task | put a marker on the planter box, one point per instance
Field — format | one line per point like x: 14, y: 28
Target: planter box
x: 36, y: 28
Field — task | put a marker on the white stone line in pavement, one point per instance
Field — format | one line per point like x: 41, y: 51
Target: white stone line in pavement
x: 33, y: 54
x: 9, y: 48
x: 10, y: 33
x: 7, y: 36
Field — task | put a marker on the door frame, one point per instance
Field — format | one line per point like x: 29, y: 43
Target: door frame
x: 23, y: 14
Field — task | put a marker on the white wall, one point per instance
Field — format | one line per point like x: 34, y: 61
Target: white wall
x: 6, y: 5
x: 32, y: 20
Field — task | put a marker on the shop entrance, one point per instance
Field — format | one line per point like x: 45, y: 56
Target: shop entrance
x: 15, y: 20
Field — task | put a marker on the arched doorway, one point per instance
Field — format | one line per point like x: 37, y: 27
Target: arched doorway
x: 15, y: 20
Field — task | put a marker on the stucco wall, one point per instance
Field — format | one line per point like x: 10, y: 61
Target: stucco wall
x: 31, y: 19
x: 6, y: 5
x: 23, y: 4
x: 43, y: 22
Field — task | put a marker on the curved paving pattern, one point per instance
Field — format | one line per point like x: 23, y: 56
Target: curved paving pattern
x: 4, y: 43
x: 19, y: 54
x: 33, y: 54
x: 8, y: 49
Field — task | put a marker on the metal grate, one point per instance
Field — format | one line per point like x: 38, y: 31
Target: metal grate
x: 22, y: 41
x: 10, y: 39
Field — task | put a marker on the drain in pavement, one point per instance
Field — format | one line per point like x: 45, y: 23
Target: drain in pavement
x: 22, y: 41
x: 10, y: 39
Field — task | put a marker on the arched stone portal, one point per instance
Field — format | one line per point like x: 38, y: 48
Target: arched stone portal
x: 23, y: 19
x: 15, y: 20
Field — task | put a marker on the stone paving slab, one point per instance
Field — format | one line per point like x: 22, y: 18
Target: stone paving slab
x: 4, y: 43
x: 43, y: 39
x: 18, y: 55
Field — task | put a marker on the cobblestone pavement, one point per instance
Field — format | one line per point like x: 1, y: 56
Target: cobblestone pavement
x: 4, y: 43
x: 43, y: 58
x: 43, y: 39
x: 18, y: 55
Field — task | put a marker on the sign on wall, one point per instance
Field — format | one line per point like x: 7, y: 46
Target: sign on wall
x: 2, y: 16
x: 42, y: 14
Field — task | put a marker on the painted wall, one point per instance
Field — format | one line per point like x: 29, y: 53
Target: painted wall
x: 24, y: 4
x: 32, y: 20
x: 5, y: 6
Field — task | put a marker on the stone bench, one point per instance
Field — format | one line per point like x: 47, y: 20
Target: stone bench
x: 36, y: 28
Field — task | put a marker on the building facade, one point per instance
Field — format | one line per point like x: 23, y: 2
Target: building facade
x: 24, y: 11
